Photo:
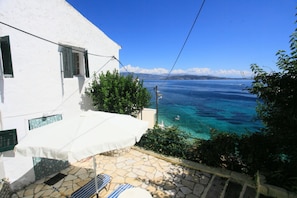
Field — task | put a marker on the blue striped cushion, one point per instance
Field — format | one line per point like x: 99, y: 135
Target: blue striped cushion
x: 89, y: 189
x: 119, y: 190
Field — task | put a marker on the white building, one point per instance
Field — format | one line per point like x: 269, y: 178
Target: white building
x: 49, y: 51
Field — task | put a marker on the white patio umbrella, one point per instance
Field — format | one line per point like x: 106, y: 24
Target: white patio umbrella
x: 86, y: 135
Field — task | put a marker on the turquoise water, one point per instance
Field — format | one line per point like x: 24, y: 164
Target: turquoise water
x: 201, y: 105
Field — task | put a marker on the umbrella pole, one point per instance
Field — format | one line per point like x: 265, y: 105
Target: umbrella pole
x: 96, y: 182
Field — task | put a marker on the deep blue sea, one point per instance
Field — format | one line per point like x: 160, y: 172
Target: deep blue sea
x: 201, y: 105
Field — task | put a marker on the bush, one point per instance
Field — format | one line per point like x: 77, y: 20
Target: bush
x: 219, y: 151
x: 114, y: 93
x: 245, y: 154
x: 169, y: 141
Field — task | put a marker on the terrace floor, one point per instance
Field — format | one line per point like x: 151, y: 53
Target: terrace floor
x: 158, y: 175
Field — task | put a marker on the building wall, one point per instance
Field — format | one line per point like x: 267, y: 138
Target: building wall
x: 38, y: 87
x: 148, y: 115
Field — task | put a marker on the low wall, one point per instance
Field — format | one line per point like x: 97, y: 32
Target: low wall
x: 272, y: 191
x: 148, y: 115
x: 260, y: 184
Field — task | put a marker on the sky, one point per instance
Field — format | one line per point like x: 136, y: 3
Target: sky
x: 227, y: 37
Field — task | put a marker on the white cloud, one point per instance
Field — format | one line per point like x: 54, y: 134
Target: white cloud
x: 192, y: 71
x: 132, y: 69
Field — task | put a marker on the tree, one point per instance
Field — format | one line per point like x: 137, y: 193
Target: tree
x: 277, y: 108
x: 114, y: 93
x: 278, y: 94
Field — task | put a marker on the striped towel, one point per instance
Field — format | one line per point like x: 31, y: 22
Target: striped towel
x: 89, y: 189
x: 119, y: 190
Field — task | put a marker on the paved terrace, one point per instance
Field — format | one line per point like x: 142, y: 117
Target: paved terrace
x: 161, y: 177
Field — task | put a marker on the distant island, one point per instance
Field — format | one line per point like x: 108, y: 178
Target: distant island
x: 178, y: 77
x: 194, y: 77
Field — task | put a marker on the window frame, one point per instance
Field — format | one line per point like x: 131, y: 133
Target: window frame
x: 6, y: 61
x: 74, y: 61
x: 8, y: 139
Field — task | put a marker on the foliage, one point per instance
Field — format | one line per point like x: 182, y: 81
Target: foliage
x: 255, y: 151
x: 169, y: 141
x: 114, y: 93
x: 278, y: 111
x: 219, y: 151
x: 272, y: 150
x: 245, y: 154
x: 278, y: 93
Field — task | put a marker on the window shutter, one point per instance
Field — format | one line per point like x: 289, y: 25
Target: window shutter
x: 86, y: 64
x: 8, y: 139
x: 67, y: 62
x: 6, y: 56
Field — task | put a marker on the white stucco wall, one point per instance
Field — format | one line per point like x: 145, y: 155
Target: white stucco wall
x: 149, y: 115
x: 37, y: 88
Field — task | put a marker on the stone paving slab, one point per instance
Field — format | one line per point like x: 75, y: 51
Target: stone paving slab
x: 159, y: 177
x: 162, y: 178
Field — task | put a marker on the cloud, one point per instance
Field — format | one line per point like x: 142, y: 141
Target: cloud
x: 192, y: 71
x: 132, y: 69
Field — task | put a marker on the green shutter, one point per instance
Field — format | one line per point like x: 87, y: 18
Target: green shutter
x: 67, y: 61
x: 6, y: 56
x: 8, y: 139
x: 86, y: 64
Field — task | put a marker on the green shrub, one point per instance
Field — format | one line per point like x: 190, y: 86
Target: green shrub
x: 245, y: 154
x: 169, y: 141
x: 219, y: 151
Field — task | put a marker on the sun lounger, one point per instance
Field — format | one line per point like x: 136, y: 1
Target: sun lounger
x: 119, y: 190
x: 88, y: 189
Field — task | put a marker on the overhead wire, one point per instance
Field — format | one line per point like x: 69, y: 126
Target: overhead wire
x: 66, y: 99
x: 122, y: 65
x: 113, y: 57
x: 180, y: 52
x: 52, y: 42
x: 187, y: 38
x: 55, y: 43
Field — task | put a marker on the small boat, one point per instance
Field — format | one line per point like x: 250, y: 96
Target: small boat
x: 177, y: 117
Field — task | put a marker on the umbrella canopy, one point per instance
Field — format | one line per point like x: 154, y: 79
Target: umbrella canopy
x: 83, y: 136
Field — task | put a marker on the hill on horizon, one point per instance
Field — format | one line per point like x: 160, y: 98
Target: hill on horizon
x: 143, y: 76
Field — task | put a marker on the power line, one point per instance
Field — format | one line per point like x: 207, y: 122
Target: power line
x: 49, y: 41
x: 122, y: 65
x: 96, y: 72
x: 66, y: 99
x: 55, y: 43
x: 186, y: 40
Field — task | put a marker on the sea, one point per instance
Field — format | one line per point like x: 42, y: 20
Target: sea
x: 197, y: 106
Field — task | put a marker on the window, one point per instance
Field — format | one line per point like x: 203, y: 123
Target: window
x: 42, y: 121
x: 76, y: 64
x: 8, y: 139
x: 6, y: 56
x: 75, y: 61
